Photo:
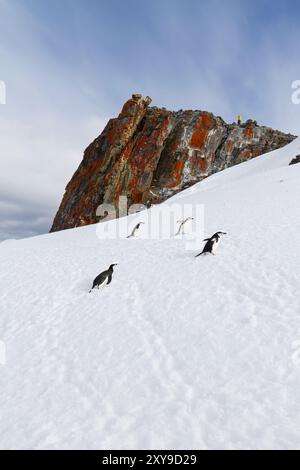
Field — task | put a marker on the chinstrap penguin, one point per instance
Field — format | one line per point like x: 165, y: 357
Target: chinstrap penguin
x: 103, y: 278
x: 136, y: 228
x: 182, y: 224
x: 211, y: 244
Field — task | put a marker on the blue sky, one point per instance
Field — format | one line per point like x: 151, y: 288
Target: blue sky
x: 69, y: 65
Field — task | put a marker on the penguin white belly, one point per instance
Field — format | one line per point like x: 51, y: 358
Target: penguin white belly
x: 188, y: 225
x: 215, y: 246
x: 137, y: 231
x: 100, y: 286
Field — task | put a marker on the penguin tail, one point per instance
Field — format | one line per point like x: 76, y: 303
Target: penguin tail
x: 199, y: 254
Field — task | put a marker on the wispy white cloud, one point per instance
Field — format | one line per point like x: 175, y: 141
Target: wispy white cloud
x: 44, y: 126
x: 69, y: 65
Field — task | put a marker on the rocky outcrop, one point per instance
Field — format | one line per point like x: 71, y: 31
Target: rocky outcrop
x: 149, y: 154
x: 295, y: 160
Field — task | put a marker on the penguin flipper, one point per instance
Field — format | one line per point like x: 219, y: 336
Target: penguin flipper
x: 199, y: 254
x: 109, y: 279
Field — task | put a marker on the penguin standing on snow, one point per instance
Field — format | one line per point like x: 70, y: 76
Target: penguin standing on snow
x: 182, y: 224
x: 133, y: 233
x: 211, y: 244
x: 104, y: 277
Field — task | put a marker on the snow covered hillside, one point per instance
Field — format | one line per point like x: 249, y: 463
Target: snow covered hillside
x: 177, y: 352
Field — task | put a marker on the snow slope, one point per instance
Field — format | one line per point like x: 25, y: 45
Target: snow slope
x: 178, y: 352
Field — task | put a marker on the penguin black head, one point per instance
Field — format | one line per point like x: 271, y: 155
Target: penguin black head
x: 217, y: 235
x: 112, y: 265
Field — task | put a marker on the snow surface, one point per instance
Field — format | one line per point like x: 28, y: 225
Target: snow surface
x: 177, y: 352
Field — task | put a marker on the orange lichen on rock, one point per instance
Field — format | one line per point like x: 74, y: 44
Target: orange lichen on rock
x: 256, y: 153
x: 245, y: 154
x: 201, y: 129
x: 199, y: 137
x: 229, y: 146
x: 203, y: 164
x: 136, y: 196
x: 176, y: 174
x: 149, y: 154
x: 207, y: 121
x: 249, y: 132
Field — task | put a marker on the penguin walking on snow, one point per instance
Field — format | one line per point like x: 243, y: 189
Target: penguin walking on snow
x: 211, y: 244
x: 182, y: 224
x: 136, y: 228
x: 103, y: 278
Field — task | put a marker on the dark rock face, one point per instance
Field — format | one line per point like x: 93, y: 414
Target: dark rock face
x: 295, y: 160
x: 148, y: 154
